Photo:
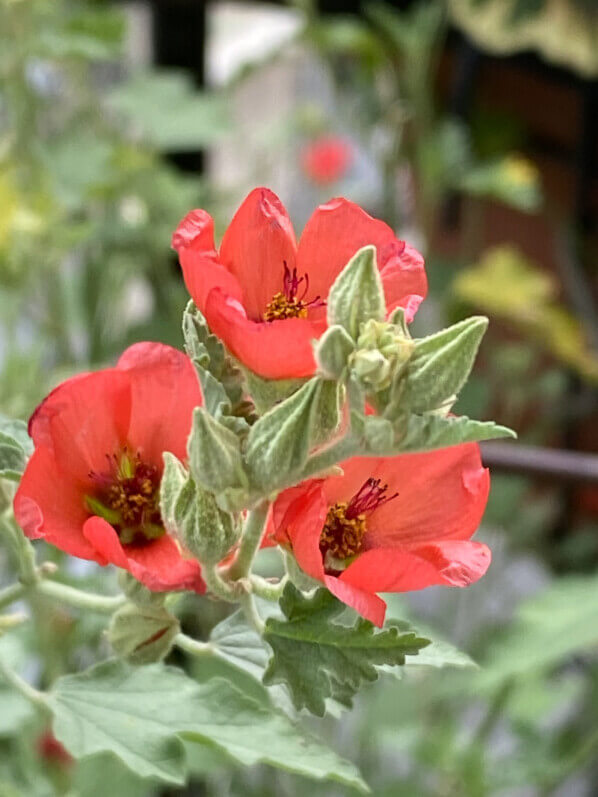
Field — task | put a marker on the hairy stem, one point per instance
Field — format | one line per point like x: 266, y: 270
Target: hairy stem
x: 250, y: 541
x: 193, y: 646
x: 28, y: 691
x: 269, y: 590
x: 80, y: 599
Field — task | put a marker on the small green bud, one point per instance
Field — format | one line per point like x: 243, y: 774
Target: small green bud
x: 137, y: 592
x: 142, y: 634
x: 372, y: 367
x: 203, y: 528
x: 382, y: 351
x: 333, y: 351
x: 193, y: 516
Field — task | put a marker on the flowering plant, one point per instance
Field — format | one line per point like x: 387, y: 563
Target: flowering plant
x: 303, y: 415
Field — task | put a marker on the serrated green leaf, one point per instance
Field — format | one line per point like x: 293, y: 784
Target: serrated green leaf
x: 441, y: 364
x: 139, y: 715
x: 335, y: 659
x: 357, y: 293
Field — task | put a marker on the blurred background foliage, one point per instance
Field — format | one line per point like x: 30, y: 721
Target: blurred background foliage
x: 91, y: 140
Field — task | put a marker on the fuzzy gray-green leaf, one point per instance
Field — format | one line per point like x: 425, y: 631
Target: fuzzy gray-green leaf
x: 357, y: 293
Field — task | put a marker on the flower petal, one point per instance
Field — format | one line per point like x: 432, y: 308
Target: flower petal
x: 255, y: 247
x: 83, y: 420
x: 164, y: 390
x: 159, y: 564
x: 441, y: 495
x: 455, y: 563
x: 202, y: 271
x: 299, y: 516
x: 336, y: 231
x: 367, y: 604
x: 49, y: 505
x: 274, y: 350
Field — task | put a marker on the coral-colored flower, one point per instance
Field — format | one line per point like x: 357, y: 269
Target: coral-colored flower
x: 264, y: 295
x: 391, y: 524
x: 92, y: 485
x: 326, y: 159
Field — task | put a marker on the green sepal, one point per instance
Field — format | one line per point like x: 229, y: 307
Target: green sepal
x: 137, y: 592
x: 441, y: 364
x: 220, y: 378
x: 265, y: 393
x: 357, y: 294
x: 335, y: 659
x: 193, y: 516
x: 214, y: 454
x: 279, y: 442
x: 142, y: 634
x: 332, y: 352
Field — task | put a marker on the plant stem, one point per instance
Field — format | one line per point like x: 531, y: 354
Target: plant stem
x: 80, y: 599
x: 193, y: 646
x: 11, y: 594
x: 28, y: 691
x: 250, y: 541
x: 266, y: 589
x: 226, y: 590
x: 251, y: 613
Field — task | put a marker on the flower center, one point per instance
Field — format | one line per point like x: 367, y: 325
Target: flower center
x: 128, y: 496
x: 345, y: 526
x: 287, y: 303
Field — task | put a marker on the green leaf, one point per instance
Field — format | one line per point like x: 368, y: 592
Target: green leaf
x: 279, y: 442
x: 357, y: 293
x: 170, y: 113
x: 265, y: 393
x: 12, y: 458
x: 335, y: 660
x: 441, y: 363
x: 214, y: 454
x: 428, y: 432
x: 17, y: 430
x: 547, y: 630
x: 220, y: 378
x: 15, y: 447
x: 139, y: 715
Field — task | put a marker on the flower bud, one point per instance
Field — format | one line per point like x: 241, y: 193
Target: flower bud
x: 333, y: 351
x: 142, y: 634
x: 193, y: 515
x: 382, y: 349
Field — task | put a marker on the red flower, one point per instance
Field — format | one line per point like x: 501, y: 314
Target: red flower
x: 326, y: 159
x: 91, y: 487
x: 264, y: 295
x: 391, y: 524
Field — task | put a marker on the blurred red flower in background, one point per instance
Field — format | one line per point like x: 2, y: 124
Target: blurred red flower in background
x: 326, y: 159
x: 91, y: 487
x: 264, y: 295
x: 392, y: 524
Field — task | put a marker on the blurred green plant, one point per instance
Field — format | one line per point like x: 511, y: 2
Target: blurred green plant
x: 87, y: 204
x: 507, y: 285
